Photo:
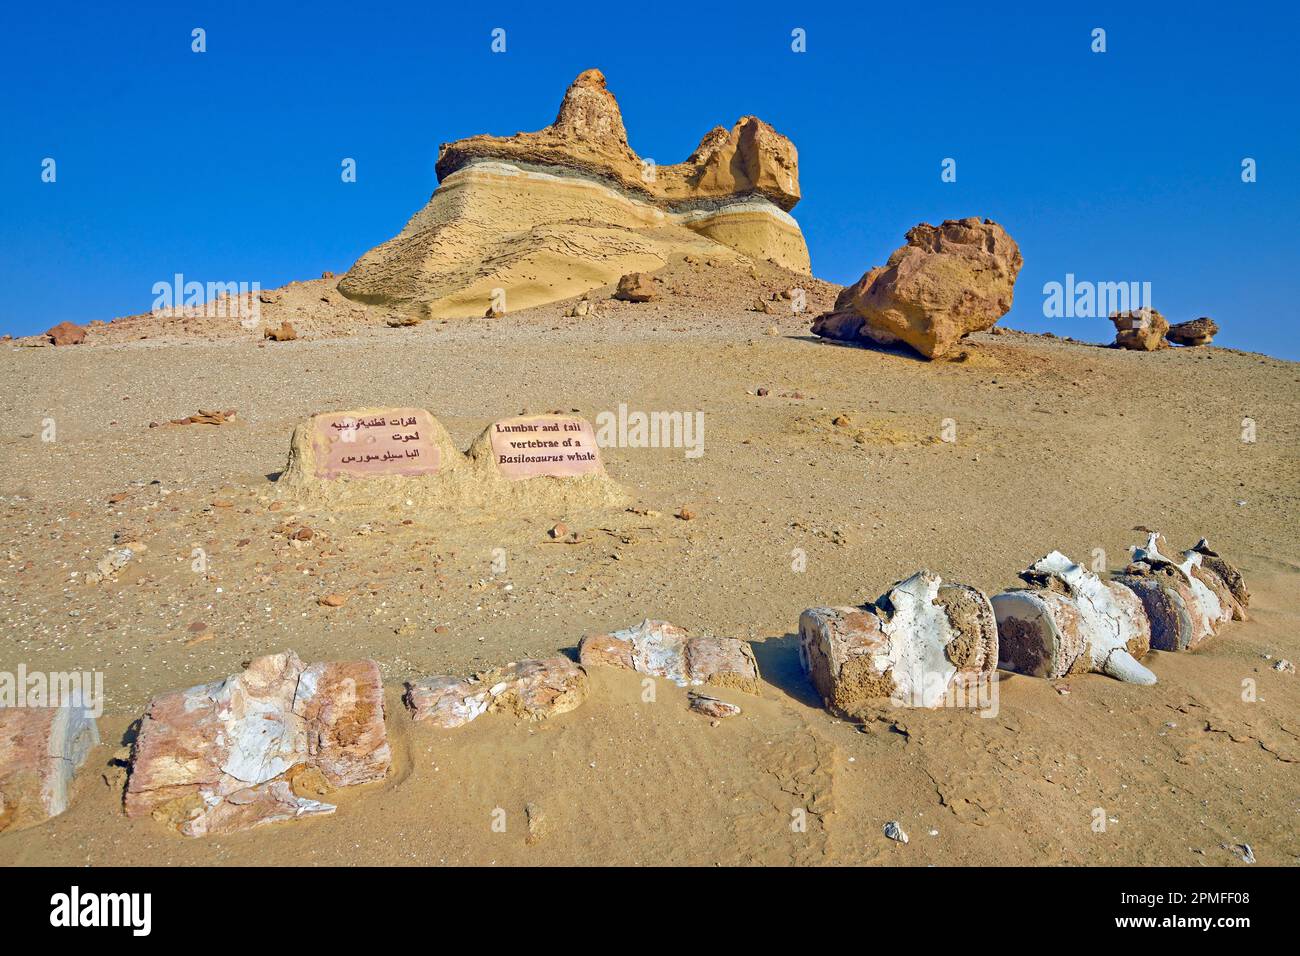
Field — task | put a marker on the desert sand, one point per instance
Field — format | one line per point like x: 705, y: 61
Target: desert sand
x: 1059, y: 445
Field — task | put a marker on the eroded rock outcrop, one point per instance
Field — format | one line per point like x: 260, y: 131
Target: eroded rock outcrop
x: 66, y: 333
x: 41, y: 749
x: 1141, y: 330
x: 529, y: 689
x: 1068, y: 621
x: 259, y: 746
x: 661, y: 649
x: 588, y: 137
x: 543, y: 216
x: 1196, y: 332
x: 948, y: 281
x: 907, y: 648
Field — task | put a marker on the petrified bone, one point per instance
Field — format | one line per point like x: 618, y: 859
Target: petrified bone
x: 532, y: 689
x: 232, y: 754
x: 1168, y: 602
x: 1208, y: 608
x: 1071, y: 621
x: 1229, y: 574
x: 1229, y: 607
x: 446, y: 701
x: 711, y: 706
x: 911, y: 645
x: 662, y: 649
x: 41, y: 748
x: 1185, y: 602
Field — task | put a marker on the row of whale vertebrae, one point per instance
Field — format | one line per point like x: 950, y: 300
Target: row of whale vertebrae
x: 1071, y: 620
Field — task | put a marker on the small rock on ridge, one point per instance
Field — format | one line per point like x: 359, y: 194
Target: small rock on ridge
x: 1196, y: 332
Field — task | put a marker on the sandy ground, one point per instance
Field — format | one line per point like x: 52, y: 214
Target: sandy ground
x: 1059, y: 445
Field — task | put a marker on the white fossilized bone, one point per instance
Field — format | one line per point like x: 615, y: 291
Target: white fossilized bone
x: 1187, y: 600
x: 909, y: 647
x: 1072, y: 620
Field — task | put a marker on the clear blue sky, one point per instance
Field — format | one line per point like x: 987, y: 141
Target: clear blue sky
x: 224, y: 166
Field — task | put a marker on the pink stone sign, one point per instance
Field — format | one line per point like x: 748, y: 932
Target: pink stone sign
x: 390, y: 441
x: 557, y: 445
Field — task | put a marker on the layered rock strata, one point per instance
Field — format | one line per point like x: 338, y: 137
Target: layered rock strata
x: 522, y: 220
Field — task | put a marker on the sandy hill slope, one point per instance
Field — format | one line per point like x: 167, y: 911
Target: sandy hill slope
x: 809, y: 447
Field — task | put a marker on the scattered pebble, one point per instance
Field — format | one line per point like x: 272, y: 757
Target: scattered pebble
x: 712, y: 706
x: 895, y: 831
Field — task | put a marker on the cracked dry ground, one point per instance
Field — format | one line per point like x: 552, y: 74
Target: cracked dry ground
x: 1059, y: 445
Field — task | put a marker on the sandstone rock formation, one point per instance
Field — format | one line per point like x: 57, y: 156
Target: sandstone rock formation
x: 1141, y: 330
x: 948, y: 281
x: 907, y: 648
x: 548, y: 215
x: 1071, y: 621
x: 41, y: 748
x: 1196, y: 332
x: 661, y: 649
x: 250, y: 749
x: 529, y: 689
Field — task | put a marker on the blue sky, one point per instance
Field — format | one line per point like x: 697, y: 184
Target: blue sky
x: 224, y: 166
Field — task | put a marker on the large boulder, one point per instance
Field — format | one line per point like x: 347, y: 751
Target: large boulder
x: 41, y: 748
x: 549, y: 215
x: 946, y: 282
x: 259, y: 746
x: 908, y: 648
